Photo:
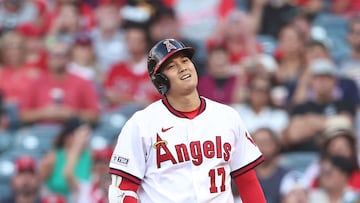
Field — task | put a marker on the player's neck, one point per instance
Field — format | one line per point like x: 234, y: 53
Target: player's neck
x: 185, y: 103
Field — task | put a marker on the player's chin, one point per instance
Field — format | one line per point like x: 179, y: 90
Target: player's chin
x: 189, y: 88
x: 189, y: 83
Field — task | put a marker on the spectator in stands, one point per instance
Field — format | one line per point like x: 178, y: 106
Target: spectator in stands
x: 346, y: 87
x: 66, y: 25
x: 127, y: 82
x: 261, y: 64
x: 108, y: 37
x: 310, y: 8
x: 66, y: 169
x: 219, y: 83
x: 14, y: 76
x: 259, y: 110
x: 290, y: 56
x: 83, y: 61
x: 100, y: 175
x: 83, y: 10
x: 349, y: 66
x: 25, y: 182
x: 59, y: 95
x: 164, y: 25
x: 333, y: 181
x: 339, y: 140
x: 198, y: 21
x: 344, y: 8
x: 308, y: 119
x: 304, y: 24
x: 13, y: 13
x: 292, y: 189
x: 270, y: 173
x: 241, y: 43
x: 34, y: 46
x: 272, y: 15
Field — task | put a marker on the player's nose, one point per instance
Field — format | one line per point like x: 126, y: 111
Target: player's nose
x: 182, y: 68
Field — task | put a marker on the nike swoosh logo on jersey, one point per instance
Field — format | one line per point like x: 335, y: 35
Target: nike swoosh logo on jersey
x: 166, y: 129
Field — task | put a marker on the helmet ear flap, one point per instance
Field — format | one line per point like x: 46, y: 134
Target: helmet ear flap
x: 161, y: 82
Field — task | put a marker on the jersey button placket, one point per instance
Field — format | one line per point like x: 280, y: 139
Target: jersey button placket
x: 195, y: 170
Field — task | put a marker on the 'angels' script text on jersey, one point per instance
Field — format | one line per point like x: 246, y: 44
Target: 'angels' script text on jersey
x: 197, y: 150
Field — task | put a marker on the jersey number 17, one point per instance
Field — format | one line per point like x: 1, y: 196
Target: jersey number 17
x: 212, y: 174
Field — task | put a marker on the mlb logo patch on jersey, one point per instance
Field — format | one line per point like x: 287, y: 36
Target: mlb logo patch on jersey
x: 116, y: 159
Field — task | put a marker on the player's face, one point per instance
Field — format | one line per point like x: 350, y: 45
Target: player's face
x: 182, y: 75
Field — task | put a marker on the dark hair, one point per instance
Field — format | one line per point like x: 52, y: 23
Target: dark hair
x: 300, y: 34
x: 161, y: 12
x: 69, y: 126
x: 128, y: 24
x: 272, y: 134
x: 351, y: 140
x: 253, y: 78
x: 342, y: 163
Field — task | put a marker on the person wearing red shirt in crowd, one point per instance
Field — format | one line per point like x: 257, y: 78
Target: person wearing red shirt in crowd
x: 52, y: 9
x: 26, y: 184
x: 241, y: 43
x: 116, y: 3
x: 34, y: 45
x: 66, y: 24
x: 58, y: 95
x: 345, y: 7
x: 14, y: 75
x: 127, y: 82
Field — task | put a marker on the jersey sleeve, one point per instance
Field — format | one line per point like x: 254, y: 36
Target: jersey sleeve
x: 128, y: 158
x: 247, y: 155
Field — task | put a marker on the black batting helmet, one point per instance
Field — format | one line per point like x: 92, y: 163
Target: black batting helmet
x: 159, y: 53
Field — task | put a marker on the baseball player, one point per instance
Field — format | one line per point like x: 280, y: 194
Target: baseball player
x: 183, y: 148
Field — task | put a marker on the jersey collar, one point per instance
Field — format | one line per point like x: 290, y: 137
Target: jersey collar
x: 182, y: 114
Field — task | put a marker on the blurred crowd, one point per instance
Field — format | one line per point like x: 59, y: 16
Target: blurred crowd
x: 73, y: 71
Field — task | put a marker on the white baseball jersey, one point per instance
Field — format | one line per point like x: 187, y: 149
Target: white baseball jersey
x: 177, y: 159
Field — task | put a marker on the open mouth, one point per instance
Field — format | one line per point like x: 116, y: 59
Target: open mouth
x: 184, y: 77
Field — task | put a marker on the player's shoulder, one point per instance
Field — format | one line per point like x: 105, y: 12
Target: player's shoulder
x: 219, y: 107
x: 150, y: 110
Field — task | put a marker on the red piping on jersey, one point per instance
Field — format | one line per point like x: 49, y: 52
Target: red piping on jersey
x: 248, y: 167
x: 181, y: 114
x: 125, y: 175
